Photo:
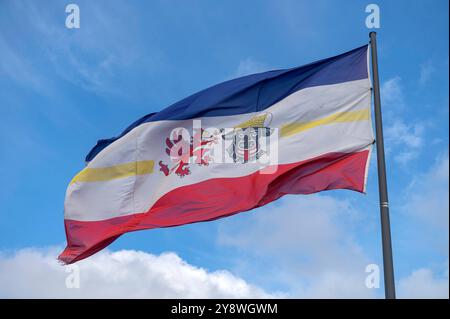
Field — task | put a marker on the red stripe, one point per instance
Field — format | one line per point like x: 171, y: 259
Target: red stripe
x: 220, y: 197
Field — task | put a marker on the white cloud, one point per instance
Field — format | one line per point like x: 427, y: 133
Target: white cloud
x: 391, y: 93
x: 249, y: 66
x: 427, y: 197
x: 308, y: 242
x: 405, y: 139
x: 427, y: 206
x: 423, y: 283
x: 426, y: 71
x: 32, y: 273
x: 15, y: 67
x: 94, y: 57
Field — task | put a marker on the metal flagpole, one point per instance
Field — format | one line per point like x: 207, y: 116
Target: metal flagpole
x: 388, y: 265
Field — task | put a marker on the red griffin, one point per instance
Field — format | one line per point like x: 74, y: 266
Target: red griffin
x: 182, y: 151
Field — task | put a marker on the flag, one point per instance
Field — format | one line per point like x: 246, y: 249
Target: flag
x: 230, y: 148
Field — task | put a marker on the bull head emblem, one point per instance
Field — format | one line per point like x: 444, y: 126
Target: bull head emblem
x: 245, y: 137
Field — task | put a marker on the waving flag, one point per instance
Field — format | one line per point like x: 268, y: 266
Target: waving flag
x: 232, y: 147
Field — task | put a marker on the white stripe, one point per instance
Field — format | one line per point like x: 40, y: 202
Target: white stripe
x: 134, y: 194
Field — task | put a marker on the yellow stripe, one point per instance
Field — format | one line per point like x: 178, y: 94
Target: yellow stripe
x: 114, y: 172
x: 146, y: 167
x: 350, y: 116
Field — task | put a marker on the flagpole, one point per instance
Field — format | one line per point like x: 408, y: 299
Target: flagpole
x: 388, y: 265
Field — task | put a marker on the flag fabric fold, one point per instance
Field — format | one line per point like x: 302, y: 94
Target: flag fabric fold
x: 227, y: 149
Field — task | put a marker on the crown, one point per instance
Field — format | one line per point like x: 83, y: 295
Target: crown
x: 262, y: 120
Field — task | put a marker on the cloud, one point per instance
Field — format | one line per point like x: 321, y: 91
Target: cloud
x: 35, y: 273
x: 427, y: 199
x: 426, y: 71
x: 423, y: 283
x: 249, y: 66
x: 13, y: 66
x: 427, y: 207
x: 305, y: 244
x: 391, y: 92
x: 97, y: 57
x: 405, y: 139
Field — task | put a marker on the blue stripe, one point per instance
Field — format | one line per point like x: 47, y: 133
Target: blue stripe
x: 256, y: 92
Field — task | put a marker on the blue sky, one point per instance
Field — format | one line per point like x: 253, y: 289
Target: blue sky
x: 61, y: 90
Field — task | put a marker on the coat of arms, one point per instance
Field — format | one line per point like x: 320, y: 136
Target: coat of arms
x: 245, y: 146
